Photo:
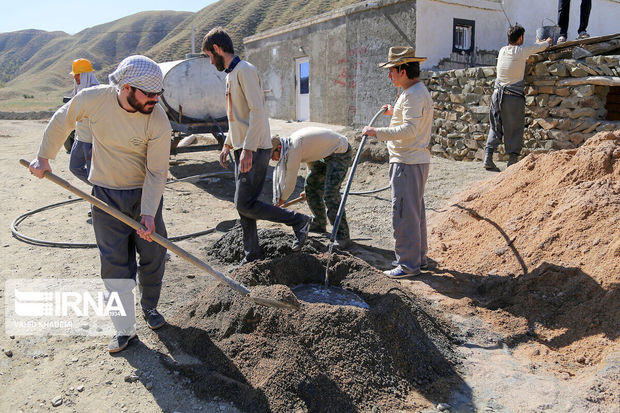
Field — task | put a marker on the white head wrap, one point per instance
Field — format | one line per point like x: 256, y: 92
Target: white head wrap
x: 87, y: 79
x: 279, y: 172
x: 140, y: 72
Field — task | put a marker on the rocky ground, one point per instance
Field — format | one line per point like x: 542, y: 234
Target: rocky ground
x: 491, y: 337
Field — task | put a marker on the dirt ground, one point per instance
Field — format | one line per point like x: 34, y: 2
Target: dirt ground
x: 546, y: 340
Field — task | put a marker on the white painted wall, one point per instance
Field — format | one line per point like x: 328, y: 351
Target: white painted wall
x: 435, y: 22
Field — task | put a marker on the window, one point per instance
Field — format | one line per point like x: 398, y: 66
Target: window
x: 463, y: 36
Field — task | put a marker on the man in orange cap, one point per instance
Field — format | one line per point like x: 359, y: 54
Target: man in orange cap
x: 82, y: 148
x: 408, y: 137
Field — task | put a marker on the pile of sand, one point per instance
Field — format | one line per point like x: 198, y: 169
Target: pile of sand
x: 539, y: 245
x: 322, y: 357
x: 562, y: 207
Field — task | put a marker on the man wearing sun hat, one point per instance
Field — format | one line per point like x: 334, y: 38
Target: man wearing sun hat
x: 407, y: 137
x: 131, y: 147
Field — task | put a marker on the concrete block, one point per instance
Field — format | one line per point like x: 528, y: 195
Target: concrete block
x: 542, y: 99
x: 488, y: 71
x: 583, y: 91
x: 457, y: 98
x: 554, y: 101
x: 582, y: 113
x: 576, y: 71
x: 559, y: 69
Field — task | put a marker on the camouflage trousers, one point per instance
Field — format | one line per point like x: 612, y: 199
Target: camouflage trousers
x: 322, y: 188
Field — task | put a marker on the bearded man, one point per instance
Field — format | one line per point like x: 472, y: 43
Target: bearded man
x: 131, y: 147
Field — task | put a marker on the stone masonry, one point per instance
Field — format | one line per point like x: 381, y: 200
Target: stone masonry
x: 565, y: 105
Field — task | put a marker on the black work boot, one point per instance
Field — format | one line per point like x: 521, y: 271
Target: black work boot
x: 489, y: 165
x: 513, y: 158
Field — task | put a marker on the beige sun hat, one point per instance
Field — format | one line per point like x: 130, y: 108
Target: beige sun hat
x: 400, y: 55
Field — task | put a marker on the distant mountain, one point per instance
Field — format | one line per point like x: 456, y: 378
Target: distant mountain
x: 241, y: 18
x: 37, y: 63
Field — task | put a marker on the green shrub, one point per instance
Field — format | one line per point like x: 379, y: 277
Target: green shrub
x: 28, y: 96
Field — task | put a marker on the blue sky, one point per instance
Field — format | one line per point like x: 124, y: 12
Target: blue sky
x: 73, y: 16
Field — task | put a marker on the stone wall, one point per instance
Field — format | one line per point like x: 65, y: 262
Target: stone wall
x: 560, y: 112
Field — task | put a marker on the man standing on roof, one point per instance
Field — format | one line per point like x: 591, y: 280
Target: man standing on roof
x: 408, y: 137
x: 328, y: 155
x: 82, y: 149
x: 584, y: 17
x: 131, y: 147
x: 507, y: 109
x: 249, y: 138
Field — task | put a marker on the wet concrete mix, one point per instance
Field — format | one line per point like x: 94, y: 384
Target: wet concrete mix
x: 322, y: 357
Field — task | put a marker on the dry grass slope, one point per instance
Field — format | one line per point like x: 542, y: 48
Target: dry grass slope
x: 241, y: 18
x: 37, y: 63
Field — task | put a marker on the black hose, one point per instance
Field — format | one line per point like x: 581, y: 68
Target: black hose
x: 54, y: 244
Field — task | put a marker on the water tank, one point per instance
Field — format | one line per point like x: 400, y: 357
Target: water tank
x: 196, y: 86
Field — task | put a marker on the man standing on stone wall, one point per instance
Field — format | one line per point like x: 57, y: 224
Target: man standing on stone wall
x: 408, y: 137
x: 131, y: 147
x: 249, y: 137
x: 507, y: 111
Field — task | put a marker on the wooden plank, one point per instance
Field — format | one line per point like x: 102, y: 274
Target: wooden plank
x: 591, y: 80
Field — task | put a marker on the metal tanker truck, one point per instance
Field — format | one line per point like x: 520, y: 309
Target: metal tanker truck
x: 194, y: 98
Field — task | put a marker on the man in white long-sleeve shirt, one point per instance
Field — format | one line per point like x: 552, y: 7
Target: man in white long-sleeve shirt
x: 408, y: 137
x: 328, y: 155
x: 249, y: 138
x: 131, y: 147
x: 507, y: 109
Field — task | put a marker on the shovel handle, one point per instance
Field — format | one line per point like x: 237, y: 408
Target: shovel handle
x: 293, y: 202
x: 164, y: 242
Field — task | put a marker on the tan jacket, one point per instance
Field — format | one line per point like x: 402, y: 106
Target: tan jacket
x: 130, y: 150
x: 409, y: 133
x: 248, y: 124
x: 308, y: 145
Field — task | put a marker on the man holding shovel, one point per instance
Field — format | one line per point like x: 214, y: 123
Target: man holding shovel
x: 249, y: 137
x: 408, y: 137
x: 328, y: 155
x: 131, y: 147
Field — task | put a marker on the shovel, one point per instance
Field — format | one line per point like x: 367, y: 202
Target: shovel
x: 291, y: 303
x: 293, y: 202
x: 344, y: 198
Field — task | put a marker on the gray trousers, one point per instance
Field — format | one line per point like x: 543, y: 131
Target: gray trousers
x: 118, y: 244
x: 409, y: 214
x: 248, y: 187
x: 79, y: 162
x: 512, y: 113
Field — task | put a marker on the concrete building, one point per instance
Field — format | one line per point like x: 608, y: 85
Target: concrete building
x: 324, y: 69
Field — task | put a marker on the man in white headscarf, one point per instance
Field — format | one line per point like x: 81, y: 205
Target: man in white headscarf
x: 82, y: 149
x: 131, y: 147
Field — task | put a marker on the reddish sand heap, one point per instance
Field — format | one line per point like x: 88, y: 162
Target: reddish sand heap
x: 539, y: 246
x: 562, y: 207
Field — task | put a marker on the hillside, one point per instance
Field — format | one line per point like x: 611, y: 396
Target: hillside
x: 241, y: 18
x: 37, y: 62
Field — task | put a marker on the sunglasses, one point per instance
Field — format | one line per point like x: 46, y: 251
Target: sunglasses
x: 148, y: 94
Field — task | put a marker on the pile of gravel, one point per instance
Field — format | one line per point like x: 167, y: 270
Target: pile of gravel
x: 322, y: 357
